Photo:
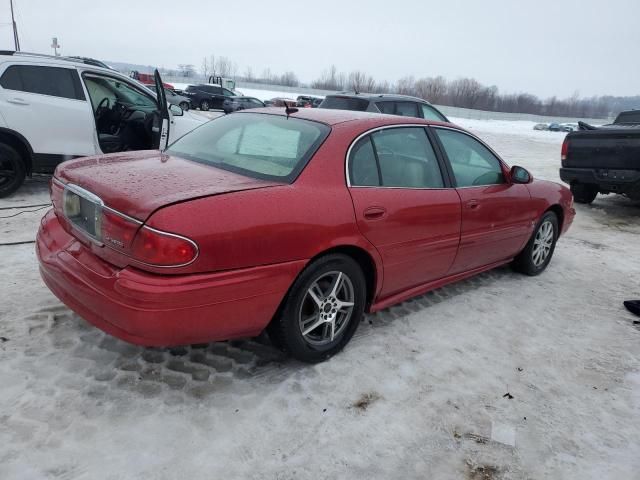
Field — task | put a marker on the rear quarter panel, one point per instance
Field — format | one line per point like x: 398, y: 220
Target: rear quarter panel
x: 275, y: 224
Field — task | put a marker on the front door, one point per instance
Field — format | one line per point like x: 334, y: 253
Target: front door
x: 403, y: 207
x: 496, y: 214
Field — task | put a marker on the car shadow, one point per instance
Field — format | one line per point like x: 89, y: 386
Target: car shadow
x: 109, y: 366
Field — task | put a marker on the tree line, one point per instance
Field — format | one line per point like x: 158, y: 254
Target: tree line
x: 462, y: 92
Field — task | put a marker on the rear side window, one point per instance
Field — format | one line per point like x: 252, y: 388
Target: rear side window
x: 473, y: 164
x: 345, y: 103
x: 387, y: 107
x: 53, y: 81
x: 628, y: 117
x: 407, y: 109
x: 406, y: 158
x: 259, y: 146
x: 363, y: 168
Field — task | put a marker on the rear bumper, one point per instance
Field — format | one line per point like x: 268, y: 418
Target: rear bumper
x: 607, y: 180
x: 159, y: 310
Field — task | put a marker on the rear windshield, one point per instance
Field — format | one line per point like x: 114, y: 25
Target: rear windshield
x: 345, y: 103
x: 269, y: 147
x: 628, y: 117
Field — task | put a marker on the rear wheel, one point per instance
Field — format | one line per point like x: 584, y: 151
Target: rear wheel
x: 184, y: 106
x: 322, y: 310
x: 538, y: 252
x: 204, y: 105
x: 584, y: 192
x: 12, y: 170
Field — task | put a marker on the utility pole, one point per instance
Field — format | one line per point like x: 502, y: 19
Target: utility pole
x: 15, y: 28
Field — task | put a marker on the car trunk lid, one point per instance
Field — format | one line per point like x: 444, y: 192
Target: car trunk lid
x: 138, y: 183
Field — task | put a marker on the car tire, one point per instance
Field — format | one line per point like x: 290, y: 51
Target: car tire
x: 313, y: 300
x: 204, y: 105
x: 535, y: 257
x: 12, y: 170
x: 184, y: 106
x: 584, y: 192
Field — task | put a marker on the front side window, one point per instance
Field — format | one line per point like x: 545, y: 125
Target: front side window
x: 52, y: 81
x: 473, y: 164
x: 228, y: 93
x: 260, y: 146
x: 431, y: 113
x: 115, y: 90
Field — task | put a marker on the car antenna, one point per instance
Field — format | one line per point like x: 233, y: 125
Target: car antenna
x: 289, y: 110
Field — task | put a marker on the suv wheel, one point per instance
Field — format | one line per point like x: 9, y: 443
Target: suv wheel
x: 204, y: 105
x: 584, y: 193
x: 12, y: 170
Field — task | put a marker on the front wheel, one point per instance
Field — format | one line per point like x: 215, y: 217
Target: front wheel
x: 584, y: 193
x: 538, y: 252
x: 322, y: 310
x: 184, y: 106
x: 204, y: 105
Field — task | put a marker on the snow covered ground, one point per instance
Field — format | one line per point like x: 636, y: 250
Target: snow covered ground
x: 499, y: 376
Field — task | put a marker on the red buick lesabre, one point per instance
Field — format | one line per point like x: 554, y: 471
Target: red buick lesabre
x: 294, y: 222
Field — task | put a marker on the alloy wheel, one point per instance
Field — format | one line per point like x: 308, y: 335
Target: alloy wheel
x: 326, y: 308
x: 542, y: 243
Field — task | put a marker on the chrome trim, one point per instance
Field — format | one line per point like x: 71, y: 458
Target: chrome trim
x: 94, y: 198
x: 368, y: 132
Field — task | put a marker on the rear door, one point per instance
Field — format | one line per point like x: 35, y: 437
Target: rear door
x: 496, y: 215
x: 47, y: 105
x: 404, y: 206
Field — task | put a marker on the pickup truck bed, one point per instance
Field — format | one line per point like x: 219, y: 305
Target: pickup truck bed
x: 602, y: 160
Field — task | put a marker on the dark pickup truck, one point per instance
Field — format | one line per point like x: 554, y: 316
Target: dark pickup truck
x: 603, y: 159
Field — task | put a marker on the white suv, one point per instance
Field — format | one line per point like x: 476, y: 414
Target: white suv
x: 56, y: 108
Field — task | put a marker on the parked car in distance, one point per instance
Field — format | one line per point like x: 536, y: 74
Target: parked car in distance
x: 56, y: 108
x: 308, y: 101
x: 568, y: 127
x: 232, y: 104
x: 384, y: 103
x: 280, y: 102
x: 221, y: 238
x: 603, y: 159
x: 554, y: 127
x: 541, y: 126
x: 146, y: 79
x: 207, y: 97
x: 174, y: 99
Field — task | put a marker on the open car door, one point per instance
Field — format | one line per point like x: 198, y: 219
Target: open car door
x: 161, y: 121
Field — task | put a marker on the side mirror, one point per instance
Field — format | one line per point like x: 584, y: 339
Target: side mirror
x: 520, y: 175
x: 176, y: 110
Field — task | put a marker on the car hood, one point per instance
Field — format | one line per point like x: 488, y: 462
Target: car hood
x: 139, y: 183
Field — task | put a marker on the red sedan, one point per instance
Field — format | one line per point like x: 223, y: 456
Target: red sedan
x: 295, y: 223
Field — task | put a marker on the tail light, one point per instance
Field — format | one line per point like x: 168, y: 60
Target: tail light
x: 145, y: 244
x: 564, y: 151
x: 163, y: 249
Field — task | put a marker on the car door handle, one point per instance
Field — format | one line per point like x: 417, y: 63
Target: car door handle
x: 374, y: 213
x: 473, y: 204
x: 17, y: 101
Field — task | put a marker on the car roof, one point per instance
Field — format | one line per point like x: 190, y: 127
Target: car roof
x: 334, y: 117
x: 377, y: 96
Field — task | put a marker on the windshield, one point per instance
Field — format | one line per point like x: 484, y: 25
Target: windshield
x: 262, y: 146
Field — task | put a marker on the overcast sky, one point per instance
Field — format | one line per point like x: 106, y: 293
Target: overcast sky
x: 537, y: 46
